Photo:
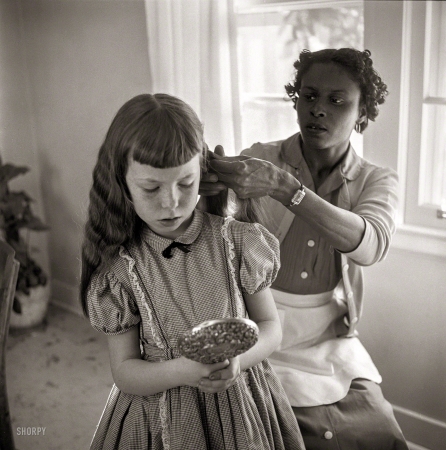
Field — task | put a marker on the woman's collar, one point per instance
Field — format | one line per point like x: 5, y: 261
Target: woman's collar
x: 291, y: 152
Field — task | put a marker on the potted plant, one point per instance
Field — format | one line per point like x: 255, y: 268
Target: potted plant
x: 16, y: 217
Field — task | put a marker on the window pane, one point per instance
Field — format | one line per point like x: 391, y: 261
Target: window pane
x: 433, y: 155
x: 268, y: 44
x: 436, y: 40
x: 433, y: 141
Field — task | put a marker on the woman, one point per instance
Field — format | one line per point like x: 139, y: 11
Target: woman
x: 332, y: 212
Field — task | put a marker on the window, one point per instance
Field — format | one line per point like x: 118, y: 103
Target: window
x: 425, y: 60
x: 270, y: 36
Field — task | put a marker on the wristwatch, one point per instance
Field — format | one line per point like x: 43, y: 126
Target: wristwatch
x: 298, y: 196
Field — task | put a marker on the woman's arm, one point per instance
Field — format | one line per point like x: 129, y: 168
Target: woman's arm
x: 251, y: 177
x: 372, y: 217
x: 262, y: 310
x: 134, y: 375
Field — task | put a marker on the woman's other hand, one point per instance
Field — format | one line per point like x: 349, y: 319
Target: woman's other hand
x: 209, y: 183
x: 222, y: 379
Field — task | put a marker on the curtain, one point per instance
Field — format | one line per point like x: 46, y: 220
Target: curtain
x: 191, y: 46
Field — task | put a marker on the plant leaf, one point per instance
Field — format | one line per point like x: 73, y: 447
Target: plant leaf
x: 35, y: 224
x: 16, y: 306
x: 9, y: 171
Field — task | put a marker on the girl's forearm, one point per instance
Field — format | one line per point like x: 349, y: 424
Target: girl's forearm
x: 270, y: 337
x: 140, y: 377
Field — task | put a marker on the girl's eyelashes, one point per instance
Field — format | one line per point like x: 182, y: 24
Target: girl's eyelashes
x: 152, y: 190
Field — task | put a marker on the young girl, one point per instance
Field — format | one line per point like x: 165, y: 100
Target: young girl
x: 154, y: 266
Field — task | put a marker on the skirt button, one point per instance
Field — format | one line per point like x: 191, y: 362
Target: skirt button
x: 328, y: 435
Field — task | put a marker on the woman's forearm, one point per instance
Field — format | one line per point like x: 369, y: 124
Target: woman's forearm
x: 340, y: 228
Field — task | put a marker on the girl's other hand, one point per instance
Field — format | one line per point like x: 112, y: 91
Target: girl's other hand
x: 221, y: 379
x: 195, y: 371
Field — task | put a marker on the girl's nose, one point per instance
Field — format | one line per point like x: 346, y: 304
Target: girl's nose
x: 169, y: 199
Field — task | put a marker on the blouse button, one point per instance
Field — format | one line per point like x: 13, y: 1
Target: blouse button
x: 304, y: 275
x: 310, y: 243
x: 328, y: 435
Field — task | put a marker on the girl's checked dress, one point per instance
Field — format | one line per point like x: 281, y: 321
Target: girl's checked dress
x: 165, y: 297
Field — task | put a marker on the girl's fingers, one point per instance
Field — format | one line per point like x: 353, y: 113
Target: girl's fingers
x: 218, y: 366
x: 209, y: 386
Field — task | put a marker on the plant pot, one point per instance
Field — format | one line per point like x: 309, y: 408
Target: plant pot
x: 34, y: 307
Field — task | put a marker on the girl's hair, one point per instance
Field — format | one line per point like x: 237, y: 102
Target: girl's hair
x: 159, y: 130
x: 359, y: 66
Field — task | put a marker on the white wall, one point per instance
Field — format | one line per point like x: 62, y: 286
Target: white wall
x: 17, y: 127
x: 85, y: 59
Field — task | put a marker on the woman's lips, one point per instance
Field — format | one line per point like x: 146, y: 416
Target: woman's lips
x: 314, y: 127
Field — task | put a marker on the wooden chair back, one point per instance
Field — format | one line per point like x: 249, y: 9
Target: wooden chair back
x: 9, y: 269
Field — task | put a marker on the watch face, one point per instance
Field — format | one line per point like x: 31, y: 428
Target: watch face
x: 216, y: 340
x: 298, y: 196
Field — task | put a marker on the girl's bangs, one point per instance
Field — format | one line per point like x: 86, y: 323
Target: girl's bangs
x: 163, y: 141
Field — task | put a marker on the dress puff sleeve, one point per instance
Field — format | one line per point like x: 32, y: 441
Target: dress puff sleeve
x: 111, y: 308
x: 259, y: 256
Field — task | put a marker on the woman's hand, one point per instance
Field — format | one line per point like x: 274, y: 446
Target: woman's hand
x: 221, y: 379
x: 209, y: 184
x: 253, y: 178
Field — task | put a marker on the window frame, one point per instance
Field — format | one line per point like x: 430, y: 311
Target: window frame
x: 419, y: 237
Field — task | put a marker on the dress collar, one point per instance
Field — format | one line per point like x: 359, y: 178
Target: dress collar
x: 159, y: 243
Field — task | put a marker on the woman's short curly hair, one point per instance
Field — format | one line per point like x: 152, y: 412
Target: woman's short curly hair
x: 357, y: 63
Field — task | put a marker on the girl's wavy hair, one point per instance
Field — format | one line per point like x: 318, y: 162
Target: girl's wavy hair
x: 159, y: 130
x: 358, y: 64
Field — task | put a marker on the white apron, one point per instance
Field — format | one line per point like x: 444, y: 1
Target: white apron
x: 314, y: 365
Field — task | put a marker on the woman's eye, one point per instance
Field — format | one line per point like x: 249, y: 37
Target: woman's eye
x: 186, y: 186
x: 309, y: 97
x: 337, y: 100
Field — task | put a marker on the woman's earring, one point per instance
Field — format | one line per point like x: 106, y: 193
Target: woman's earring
x: 358, y: 127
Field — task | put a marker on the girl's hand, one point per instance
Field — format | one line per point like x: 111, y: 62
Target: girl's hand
x: 195, y: 371
x: 221, y: 379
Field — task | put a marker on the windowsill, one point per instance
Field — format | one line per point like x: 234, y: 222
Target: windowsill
x: 420, y: 240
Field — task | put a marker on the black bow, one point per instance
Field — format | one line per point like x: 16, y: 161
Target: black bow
x: 167, y: 252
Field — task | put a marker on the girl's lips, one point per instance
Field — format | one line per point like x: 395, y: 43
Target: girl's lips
x: 170, y: 222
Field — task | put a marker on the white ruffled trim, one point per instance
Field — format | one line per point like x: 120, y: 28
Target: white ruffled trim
x: 225, y: 234
x: 139, y: 290
x: 165, y: 435
x: 158, y: 342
